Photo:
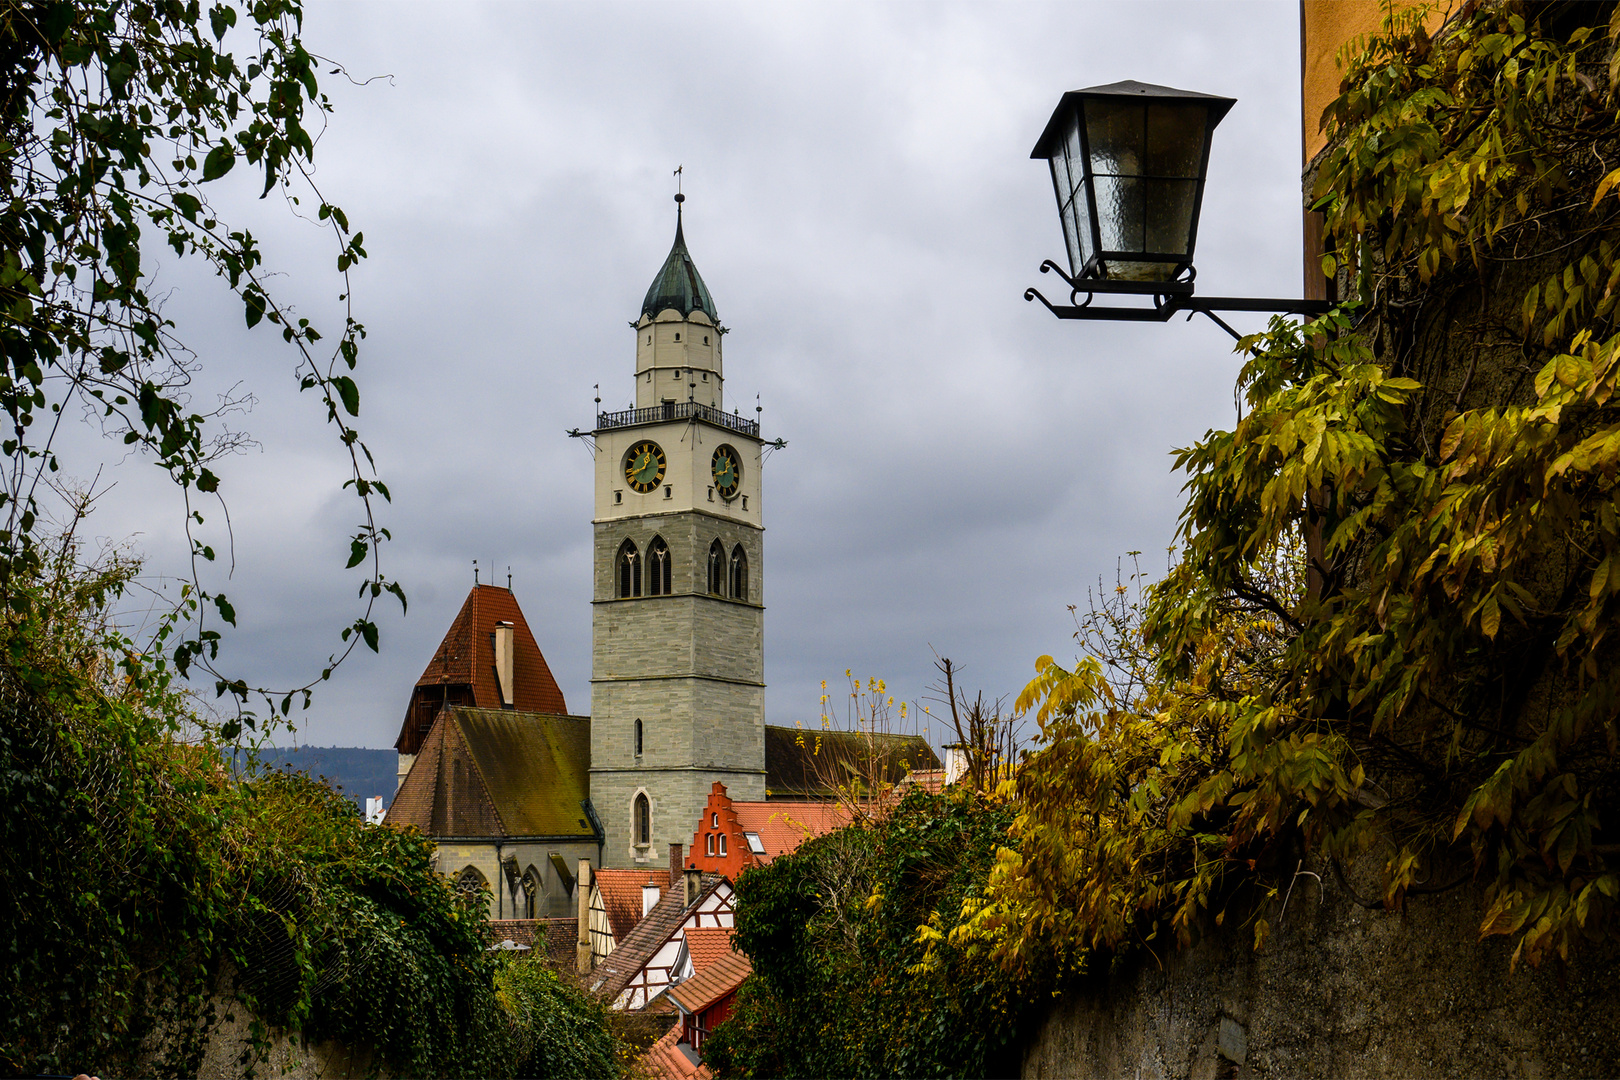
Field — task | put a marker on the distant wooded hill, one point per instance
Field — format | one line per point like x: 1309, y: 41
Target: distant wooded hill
x: 356, y: 771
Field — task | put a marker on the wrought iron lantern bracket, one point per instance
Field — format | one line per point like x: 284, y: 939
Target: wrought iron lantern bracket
x: 1170, y: 298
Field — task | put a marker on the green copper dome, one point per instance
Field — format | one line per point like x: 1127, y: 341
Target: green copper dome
x: 678, y: 285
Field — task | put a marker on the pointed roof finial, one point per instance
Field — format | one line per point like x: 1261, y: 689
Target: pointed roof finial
x: 678, y: 284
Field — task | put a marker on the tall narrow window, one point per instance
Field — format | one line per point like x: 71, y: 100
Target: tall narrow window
x: 658, y: 583
x: 629, y: 567
x: 531, y: 892
x: 717, y: 568
x: 739, y: 574
x: 638, y: 737
x: 643, y: 821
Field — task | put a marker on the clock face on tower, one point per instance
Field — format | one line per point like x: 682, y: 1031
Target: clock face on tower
x: 727, y: 472
x: 644, y: 466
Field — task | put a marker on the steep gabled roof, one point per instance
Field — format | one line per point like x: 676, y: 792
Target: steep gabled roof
x: 462, y: 670
x: 712, y: 983
x: 794, y: 771
x: 495, y: 773
x: 621, y: 896
x: 647, y: 937
x: 783, y: 825
x: 706, y: 945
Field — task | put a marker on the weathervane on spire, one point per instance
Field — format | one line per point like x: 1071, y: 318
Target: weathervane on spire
x: 679, y: 198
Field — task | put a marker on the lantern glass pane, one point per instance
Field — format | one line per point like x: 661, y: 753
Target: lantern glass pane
x: 1114, y: 132
x: 1073, y: 151
x: 1119, y: 213
x: 1169, y: 215
x: 1060, y: 182
x: 1175, y: 140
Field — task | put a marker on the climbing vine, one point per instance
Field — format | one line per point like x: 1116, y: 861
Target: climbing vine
x: 1388, y: 631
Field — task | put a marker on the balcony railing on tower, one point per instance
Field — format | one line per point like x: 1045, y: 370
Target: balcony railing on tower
x: 677, y: 410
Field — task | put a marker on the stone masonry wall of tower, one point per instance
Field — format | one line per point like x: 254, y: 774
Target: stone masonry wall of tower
x: 688, y: 662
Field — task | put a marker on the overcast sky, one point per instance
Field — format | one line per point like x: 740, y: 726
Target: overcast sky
x: 860, y: 200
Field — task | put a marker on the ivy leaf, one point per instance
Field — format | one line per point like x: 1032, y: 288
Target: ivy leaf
x: 219, y: 161
x: 349, y: 392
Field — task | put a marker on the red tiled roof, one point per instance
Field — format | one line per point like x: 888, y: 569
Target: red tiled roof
x: 707, y: 945
x: 646, y: 938
x: 712, y: 983
x: 667, y: 1059
x: 783, y: 826
x: 462, y: 671
x: 621, y: 896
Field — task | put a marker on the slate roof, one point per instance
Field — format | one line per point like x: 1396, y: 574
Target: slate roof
x: 706, y: 945
x: 621, y: 896
x: 678, y: 284
x: 791, y: 770
x: 497, y: 773
x: 712, y: 983
x: 782, y: 825
x: 462, y: 671
x: 646, y: 938
x: 671, y: 1059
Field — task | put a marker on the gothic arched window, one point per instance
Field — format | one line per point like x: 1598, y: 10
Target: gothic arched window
x: 739, y: 574
x: 629, y: 570
x: 638, y: 736
x: 643, y: 820
x: 717, y: 568
x: 531, y: 892
x: 470, y: 880
x: 658, y: 583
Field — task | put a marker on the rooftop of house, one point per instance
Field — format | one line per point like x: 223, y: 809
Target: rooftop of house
x: 496, y: 773
x: 646, y: 938
x: 462, y: 670
x: 621, y: 896
x: 806, y: 763
x: 712, y: 983
x: 782, y: 825
x: 671, y: 1059
x: 707, y: 945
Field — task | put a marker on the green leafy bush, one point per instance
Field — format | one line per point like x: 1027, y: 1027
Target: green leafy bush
x: 146, y: 888
x: 833, y: 933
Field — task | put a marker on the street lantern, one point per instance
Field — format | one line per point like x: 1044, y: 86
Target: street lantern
x: 1128, y: 164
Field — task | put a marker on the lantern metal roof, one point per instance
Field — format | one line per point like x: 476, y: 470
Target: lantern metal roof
x: 679, y: 285
x: 1130, y: 89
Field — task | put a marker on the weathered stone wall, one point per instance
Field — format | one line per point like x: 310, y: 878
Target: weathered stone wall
x: 1339, y: 991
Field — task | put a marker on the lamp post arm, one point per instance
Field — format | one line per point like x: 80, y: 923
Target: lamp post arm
x: 1165, y: 306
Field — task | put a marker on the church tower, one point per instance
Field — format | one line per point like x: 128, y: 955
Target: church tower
x: 678, y: 618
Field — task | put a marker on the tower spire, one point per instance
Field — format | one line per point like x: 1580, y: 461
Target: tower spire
x: 678, y: 284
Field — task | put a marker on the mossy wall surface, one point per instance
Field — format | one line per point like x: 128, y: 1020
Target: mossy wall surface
x: 1339, y: 990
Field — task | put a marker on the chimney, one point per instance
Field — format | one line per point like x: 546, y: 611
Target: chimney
x: 676, y: 862
x: 956, y: 762
x: 582, y: 941
x: 694, y: 884
x: 503, y: 661
x: 649, y: 898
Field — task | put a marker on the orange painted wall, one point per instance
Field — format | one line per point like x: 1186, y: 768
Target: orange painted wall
x: 1324, y: 27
